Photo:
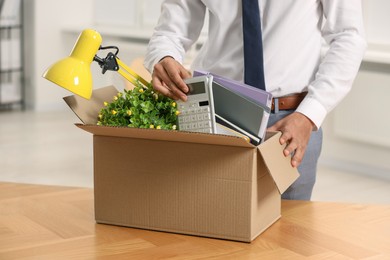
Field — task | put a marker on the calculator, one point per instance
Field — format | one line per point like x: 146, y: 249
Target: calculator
x: 197, y: 113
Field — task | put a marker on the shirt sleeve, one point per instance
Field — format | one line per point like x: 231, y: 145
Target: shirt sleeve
x: 179, y: 26
x: 344, y: 33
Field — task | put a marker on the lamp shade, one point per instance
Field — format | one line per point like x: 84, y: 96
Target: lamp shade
x: 74, y: 72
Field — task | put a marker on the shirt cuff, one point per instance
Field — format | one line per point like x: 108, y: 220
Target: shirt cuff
x: 314, y: 110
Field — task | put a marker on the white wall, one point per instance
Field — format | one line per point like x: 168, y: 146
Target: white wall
x: 55, y: 24
x: 377, y: 20
x: 52, y: 28
x: 46, y: 43
x: 356, y: 132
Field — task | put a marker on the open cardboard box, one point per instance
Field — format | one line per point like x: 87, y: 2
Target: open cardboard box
x: 191, y: 183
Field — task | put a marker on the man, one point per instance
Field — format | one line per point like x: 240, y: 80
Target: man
x: 306, y: 86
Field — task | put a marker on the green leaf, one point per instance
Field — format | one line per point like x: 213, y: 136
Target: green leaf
x: 147, y: 108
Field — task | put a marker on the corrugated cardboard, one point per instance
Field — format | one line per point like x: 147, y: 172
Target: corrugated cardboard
x: 190, y: 183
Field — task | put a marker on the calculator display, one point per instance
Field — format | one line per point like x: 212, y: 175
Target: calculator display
x: 196, y: 88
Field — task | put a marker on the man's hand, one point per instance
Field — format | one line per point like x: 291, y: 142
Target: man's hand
x: 168, y: 77
x: 296, y: 129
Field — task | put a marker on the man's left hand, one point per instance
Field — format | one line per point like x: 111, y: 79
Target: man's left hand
x: 296, y: 129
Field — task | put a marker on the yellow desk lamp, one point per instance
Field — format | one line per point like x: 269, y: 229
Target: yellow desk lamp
x: 74, y: 72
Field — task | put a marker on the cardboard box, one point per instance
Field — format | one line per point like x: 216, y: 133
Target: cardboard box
x: 191, y: 183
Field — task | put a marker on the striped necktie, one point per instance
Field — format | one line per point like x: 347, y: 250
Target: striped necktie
x: 253, y: 44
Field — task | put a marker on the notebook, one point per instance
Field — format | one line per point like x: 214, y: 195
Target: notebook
x: 240, y: 111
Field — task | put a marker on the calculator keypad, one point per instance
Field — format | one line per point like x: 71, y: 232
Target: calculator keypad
x: 195, y: 118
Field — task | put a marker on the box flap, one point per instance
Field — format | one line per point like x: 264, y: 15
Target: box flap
x: 166, y: 135
x: 88, y: 110
x: 278, y: 166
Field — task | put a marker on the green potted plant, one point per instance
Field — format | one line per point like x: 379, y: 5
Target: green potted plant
x: 140, y: 107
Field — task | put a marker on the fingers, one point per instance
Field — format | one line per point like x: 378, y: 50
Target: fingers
x: 294, y: 148
x: 161, y: 87
x: 296, y: 130
x: 168, y: 78
x: 298, y: 157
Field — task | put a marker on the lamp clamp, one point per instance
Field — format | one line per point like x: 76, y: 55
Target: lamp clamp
x: 110, y: 61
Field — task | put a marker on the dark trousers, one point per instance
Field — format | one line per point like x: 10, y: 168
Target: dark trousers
x: 302, y: 188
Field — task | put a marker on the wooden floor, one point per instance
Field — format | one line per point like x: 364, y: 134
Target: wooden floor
x: 47, y: 222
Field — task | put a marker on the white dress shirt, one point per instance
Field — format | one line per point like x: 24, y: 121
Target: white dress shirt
x: 293, y: 33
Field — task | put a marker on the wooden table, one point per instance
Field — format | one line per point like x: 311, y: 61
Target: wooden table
x: 47, y: 222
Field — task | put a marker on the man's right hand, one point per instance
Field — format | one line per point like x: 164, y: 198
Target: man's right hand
x: 167, y: 78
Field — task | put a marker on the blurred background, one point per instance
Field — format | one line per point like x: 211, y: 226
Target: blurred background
x: 40, y: 144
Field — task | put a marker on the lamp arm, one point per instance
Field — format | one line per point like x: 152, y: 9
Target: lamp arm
x: 129, y: 74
